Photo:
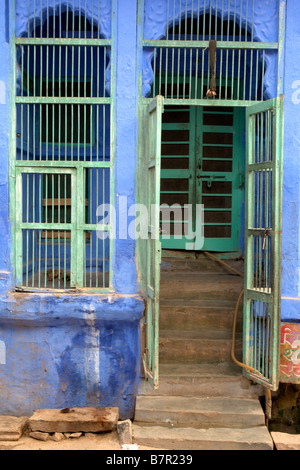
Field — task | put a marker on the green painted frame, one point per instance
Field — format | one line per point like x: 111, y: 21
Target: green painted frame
x: 17, y: 167
x: 153, y: 156
x: 262, y: 302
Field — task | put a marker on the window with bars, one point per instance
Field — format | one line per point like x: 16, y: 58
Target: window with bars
x: 62, y: 157
x: 178, y: 60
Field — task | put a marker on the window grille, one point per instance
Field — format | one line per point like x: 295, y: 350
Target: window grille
x: 61, y: 147
x: 183, y: 61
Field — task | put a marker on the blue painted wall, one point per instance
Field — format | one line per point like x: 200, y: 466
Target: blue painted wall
x: 291, y: 169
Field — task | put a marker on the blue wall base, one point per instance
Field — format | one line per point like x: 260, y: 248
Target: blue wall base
x: 69, y: 352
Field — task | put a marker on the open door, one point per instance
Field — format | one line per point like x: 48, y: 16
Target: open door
x: 264, y: 129
x: 153, y: 155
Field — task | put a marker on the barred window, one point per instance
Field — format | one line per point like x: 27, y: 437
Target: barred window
x: 62, y: 156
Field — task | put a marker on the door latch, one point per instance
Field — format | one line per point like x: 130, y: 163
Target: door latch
x: 210, y: 178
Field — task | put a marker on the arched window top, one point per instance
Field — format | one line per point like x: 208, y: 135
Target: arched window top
x: 245, y: 69
x: 208, y: 27
x: 260, y: 19
x: 63, y: 23
x: 59, y: 18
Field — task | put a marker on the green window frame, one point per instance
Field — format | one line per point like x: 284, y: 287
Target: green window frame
x: 71, y: 246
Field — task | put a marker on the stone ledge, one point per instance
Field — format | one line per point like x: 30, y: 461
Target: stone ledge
x: 86, y: 419
x: 285, y: 441
x: 12, y: 427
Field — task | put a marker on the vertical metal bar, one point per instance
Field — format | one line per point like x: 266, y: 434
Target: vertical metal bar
x: 184, y: 57
x: 160, y: 71
x: 58, y: 231
x: 27, y: 220
x: 46, y: 231
x: 97, y: 241
x: 263, y: 75
x: 33, y: 231
x: 52, y: 233
x: 251, y: 53
x: 65, y: 233
x: 173, y: 53
x: 167, y: 53
x: 203, y: 53
x: 221, y: 52
x: 227, y: 52
x: 78, y: 214
x: 40, y: 231
x: 179, y: 53
x: 90, y: 186
x: 154, y: 73
x: 233, y: 52
x: 72, y: 94
x: 239, y: 52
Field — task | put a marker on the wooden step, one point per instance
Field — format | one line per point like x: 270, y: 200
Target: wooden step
x: 185, y: 346
x: 253, y: 438
x: 202, y: 380
x: 200, y: 286
x: 190, y: 315
x: 199, y: 412
x: 201, y: 265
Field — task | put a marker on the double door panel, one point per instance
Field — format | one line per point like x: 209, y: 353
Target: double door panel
x: 202, y: 163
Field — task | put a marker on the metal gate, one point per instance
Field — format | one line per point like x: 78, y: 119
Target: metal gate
x: 61, y: 147
x: 263, y: 241
x: 213, y: 43
x: 153, y: 145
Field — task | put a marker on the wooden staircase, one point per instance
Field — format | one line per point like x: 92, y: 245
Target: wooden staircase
x: 203, y: 400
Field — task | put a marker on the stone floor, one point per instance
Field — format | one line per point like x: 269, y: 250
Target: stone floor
x: 104, y: 441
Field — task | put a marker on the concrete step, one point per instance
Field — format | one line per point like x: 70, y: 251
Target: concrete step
x: 190, y: 315
x: 253, y: 438
x: 200, y: 286
x: 186, y: 346
x: 202, y: 380
x: 201, y: 265
x: 199, y: 412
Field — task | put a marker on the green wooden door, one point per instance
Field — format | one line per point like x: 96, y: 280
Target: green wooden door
x: 153, y: 155
x: 203, y: 163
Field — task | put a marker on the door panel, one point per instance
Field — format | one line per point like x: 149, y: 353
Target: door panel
x: 177, y: 172
x: 203, y: 163
x: 153, y: 153
x: 218, y: 186
x: 264, y: 131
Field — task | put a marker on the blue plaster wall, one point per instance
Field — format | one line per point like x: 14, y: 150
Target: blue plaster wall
x: 291, y: 170
x: 74, y: 350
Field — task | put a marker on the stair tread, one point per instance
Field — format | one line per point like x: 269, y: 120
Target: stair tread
x: 212, y: 438
x: 213, y: 304
x: 192, y: 335
x: 223, y: 405
x: 203, y: 277
x: 221, y: 370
